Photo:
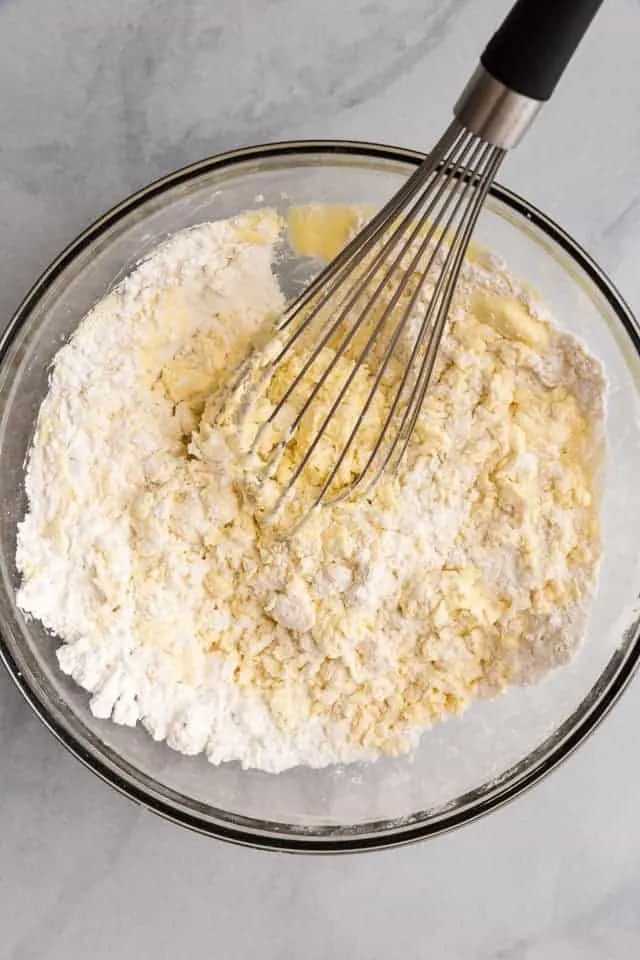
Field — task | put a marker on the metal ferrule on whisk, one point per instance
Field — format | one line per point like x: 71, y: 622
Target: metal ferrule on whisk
x: 494, y: 112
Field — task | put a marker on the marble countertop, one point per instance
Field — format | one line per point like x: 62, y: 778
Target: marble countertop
x: 99, y: 98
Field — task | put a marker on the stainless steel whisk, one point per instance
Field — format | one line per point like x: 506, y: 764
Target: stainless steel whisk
x: 366, y: 295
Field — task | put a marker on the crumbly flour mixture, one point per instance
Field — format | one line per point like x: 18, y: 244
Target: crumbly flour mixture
x: 142, y: 551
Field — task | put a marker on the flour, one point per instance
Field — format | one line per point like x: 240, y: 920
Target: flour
x: 471, y: 571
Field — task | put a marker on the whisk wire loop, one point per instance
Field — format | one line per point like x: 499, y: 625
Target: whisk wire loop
x: 362, y: 307
x: 372, y: 300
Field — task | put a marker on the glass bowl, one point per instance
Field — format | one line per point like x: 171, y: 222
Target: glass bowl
x: 464, y: 767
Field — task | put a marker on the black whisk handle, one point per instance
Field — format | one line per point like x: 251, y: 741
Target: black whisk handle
x: 536, y: 41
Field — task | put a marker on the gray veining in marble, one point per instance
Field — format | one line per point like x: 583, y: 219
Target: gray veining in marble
x: 95, y: 100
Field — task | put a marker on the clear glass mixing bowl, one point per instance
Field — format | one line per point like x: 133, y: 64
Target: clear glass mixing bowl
x: 465, y: 766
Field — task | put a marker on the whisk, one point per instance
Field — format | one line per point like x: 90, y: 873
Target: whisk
x: 352, y: 333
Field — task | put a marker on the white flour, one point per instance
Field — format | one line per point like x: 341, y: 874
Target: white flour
x: 472, y: 571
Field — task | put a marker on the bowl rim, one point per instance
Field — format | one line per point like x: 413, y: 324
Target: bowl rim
x: 374, y: 835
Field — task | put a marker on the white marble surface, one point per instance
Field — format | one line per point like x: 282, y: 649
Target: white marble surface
x: 98, y: 98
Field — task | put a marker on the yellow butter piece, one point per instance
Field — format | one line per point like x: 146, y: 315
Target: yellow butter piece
x: 258, y: 226
x: 322, y: 231
x: 511, y: 319
x: 185, y: 379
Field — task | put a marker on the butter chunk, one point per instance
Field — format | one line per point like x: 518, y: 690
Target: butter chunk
x: 511, y: 319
